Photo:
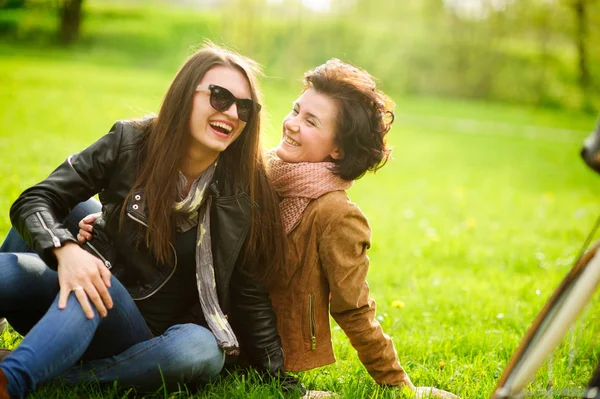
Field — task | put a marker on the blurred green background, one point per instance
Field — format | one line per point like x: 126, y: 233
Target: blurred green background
x: 476, y: 219
x: 536, y: 52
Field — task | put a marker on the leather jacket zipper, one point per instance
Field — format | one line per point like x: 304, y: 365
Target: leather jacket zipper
x: 102, y: 258
x: 136, y: 219
x: 174, y: 265
x: 55, y: 239
x: 311, y: 320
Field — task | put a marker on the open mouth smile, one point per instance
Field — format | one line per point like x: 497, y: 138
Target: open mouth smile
x: 290, y: 141
x: 221, y: 128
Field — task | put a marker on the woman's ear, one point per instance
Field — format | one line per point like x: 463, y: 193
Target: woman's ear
x: 337, y: 153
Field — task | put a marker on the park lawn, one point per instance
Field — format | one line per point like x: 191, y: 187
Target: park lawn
x: 475, y: 220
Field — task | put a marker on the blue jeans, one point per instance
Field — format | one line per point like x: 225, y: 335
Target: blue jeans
x: 64, y: 343
x: 23, y: 320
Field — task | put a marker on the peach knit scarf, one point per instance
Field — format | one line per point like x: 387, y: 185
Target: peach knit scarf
x: 299, y: 183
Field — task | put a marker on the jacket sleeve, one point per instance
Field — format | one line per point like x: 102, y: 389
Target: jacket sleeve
x: 343, y: 253
x: 39, y: 210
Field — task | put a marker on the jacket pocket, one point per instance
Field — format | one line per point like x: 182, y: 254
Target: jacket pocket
x: 311, y: 322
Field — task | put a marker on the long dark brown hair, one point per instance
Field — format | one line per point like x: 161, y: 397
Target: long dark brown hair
x: 167, y: 139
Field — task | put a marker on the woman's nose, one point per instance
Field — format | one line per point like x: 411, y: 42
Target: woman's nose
x: 290, y: 124
x: 232, y: 111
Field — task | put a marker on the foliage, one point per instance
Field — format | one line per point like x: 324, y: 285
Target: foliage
x: 475, y: 220
x: 11, y: 3
x: 522, y: 52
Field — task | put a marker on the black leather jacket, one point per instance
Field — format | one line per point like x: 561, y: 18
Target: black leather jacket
x: 108, y: 167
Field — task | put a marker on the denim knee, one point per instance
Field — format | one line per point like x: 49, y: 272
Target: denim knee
x: 7, y: 260
x: 26, y: 276
x: 117, y: 291
x: 199, y: 356
x: 14, y: 243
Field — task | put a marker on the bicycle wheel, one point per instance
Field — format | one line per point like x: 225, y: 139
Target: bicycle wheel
x: 551, y: 324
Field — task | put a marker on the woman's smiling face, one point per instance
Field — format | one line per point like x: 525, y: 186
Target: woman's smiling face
x: 309, y: 130
x: 213, y: 131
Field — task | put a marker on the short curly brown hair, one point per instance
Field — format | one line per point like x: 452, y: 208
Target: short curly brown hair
x: 365, y: 115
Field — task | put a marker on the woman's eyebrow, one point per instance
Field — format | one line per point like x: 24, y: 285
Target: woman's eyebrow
x: 308, y: 114
x: 311, y: 115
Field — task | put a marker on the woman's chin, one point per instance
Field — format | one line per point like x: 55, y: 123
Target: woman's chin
x: 282, y: 153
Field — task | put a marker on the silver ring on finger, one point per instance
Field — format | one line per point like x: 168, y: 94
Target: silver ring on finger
x: 76, y: 288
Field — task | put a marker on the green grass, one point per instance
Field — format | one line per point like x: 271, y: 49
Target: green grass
x: 475, y: 220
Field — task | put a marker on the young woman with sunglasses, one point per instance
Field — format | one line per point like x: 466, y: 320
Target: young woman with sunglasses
x: 333, y: 135
x: 170, y: 283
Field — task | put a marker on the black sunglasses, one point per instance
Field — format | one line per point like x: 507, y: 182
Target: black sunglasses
x: 221, y: 99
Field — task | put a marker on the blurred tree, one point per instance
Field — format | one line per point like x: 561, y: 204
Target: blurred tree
x: 12, y: 3
x: 70, y: 12
x: 538, y: 52
x: 581, y: 37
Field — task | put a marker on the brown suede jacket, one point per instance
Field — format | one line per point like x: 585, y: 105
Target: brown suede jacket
x: 326, y: 270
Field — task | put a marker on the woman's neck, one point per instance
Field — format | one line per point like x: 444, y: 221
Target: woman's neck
x: 194, y: 164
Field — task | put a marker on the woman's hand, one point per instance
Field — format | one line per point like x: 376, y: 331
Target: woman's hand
x: 420, y: 393
x: 86, y: 276
x: 317, y: 395
x: 433, y: 393
x: 86, y: 227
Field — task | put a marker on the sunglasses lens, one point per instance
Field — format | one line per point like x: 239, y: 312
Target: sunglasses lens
x: 220, y: 98
x: 244, y: 109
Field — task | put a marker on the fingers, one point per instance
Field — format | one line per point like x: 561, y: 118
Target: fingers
x: 426, y: 393
x: 86, y: 227
x: 105, y: 274
x: 89, y: 219
x: 97, y: 291
x: 96, y: 299
x: 317, y: 394
x: 433, y: 393
x: 87, y: 222
x: 63, y: 296
x: 83, y: 236
x: 101, y: 285
x: 85, y: 232
x: 441, y: 394
x: 81, y: 296
x: 86, y: 276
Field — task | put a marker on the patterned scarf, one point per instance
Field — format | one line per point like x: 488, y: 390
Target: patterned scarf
x: 194, y: 210
x: 299, y: 183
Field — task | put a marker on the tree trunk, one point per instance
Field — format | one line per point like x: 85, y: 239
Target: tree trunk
x: 581, y: 39
x: 70, y: 20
